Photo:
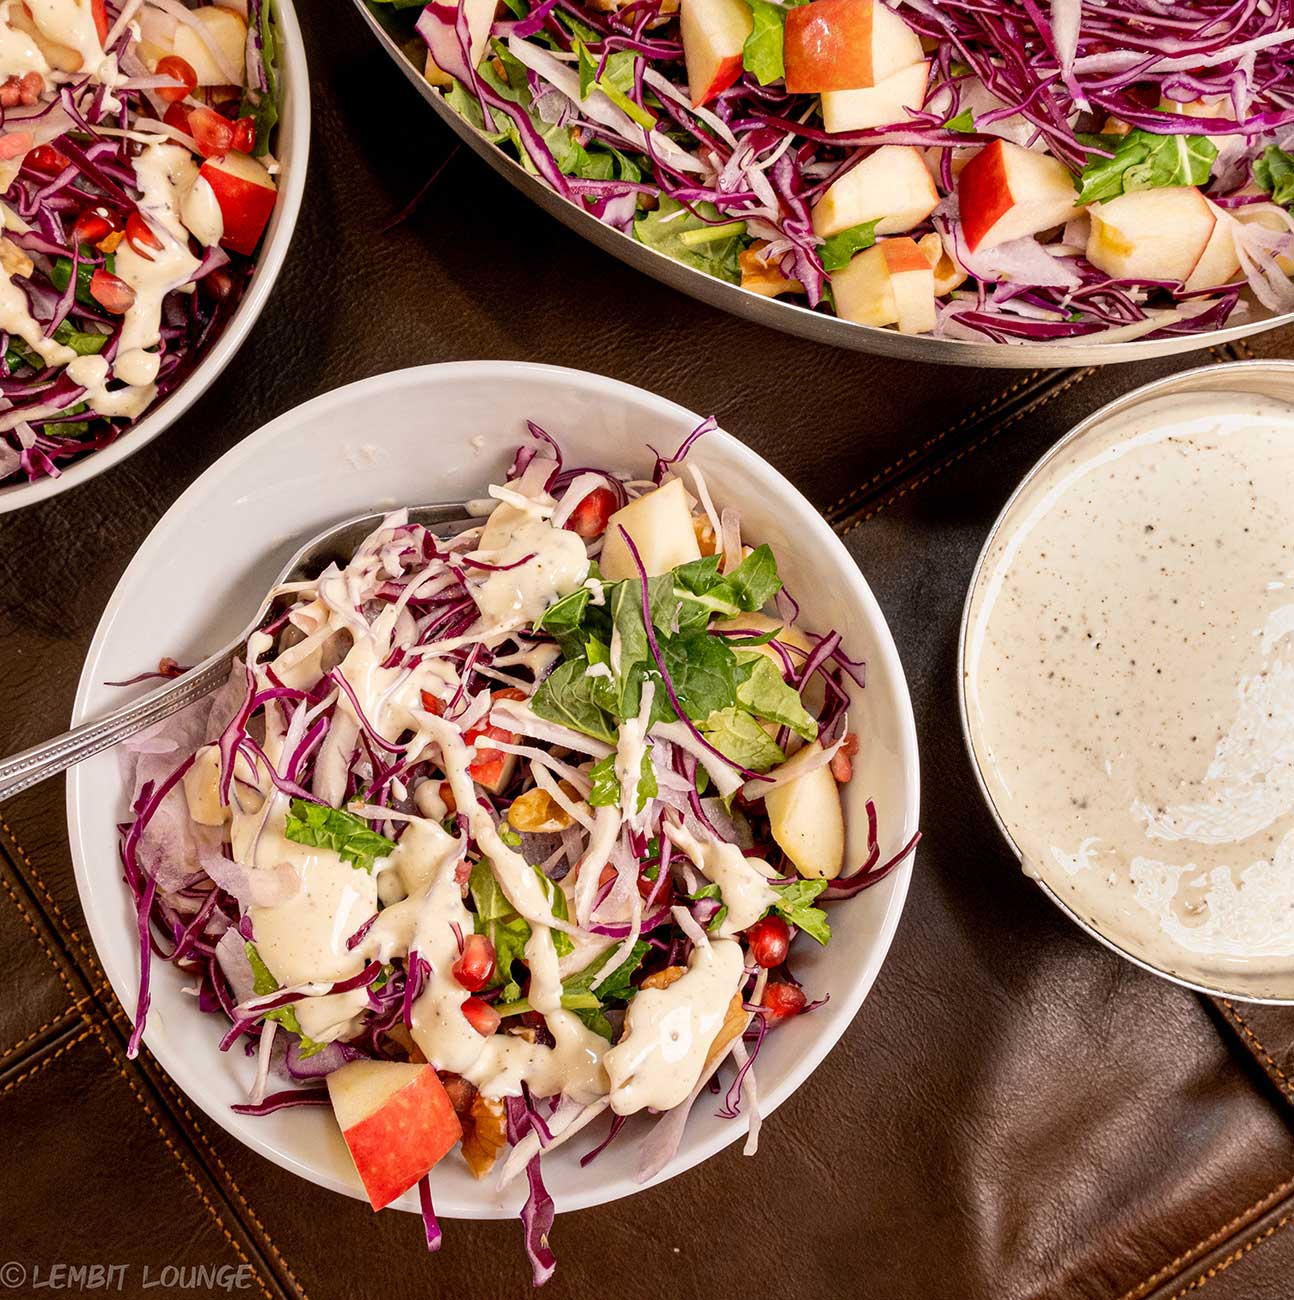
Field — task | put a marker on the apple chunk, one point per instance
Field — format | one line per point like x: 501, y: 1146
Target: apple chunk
x: 1008, y: 192
x: 805, y: 818
x: 891, y: 186
x: 227, y: 33
x: 714, y: 33
x: 1161, y: 234
x: 398, y: 1121
x: 891, y: 283
x: 883, y: 104
x: 246, y: 194
x: 846, y: 45
x: 660, y: 524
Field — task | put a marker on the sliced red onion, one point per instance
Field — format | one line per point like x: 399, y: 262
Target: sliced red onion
x: 284, y: 1101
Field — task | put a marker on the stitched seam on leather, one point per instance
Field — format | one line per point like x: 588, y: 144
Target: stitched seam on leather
x: 70, y: 1010
x: 124, y: 1069
x: 1214, y: 1238
x: 68, y: 929
x: 903, y: 491
x: 40, y: 1065
x: 1274, y: 1071
x: 983, y: 409
x: 103, y: 988
x: 1205, y: 1278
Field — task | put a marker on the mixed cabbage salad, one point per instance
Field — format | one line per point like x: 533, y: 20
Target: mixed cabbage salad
x: 137, y: 179
x: 1024, y: 170
x: 501, y: 831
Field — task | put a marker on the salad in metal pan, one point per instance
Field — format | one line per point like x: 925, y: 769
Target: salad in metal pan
x: 136, y: 180
x: 1025, y: 170
x: 502, y: 831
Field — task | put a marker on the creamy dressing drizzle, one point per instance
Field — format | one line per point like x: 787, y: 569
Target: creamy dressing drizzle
x: 743, y: 882
x: 1130, y: 685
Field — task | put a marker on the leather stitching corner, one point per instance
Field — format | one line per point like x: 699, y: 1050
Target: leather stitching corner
x: 1215, y: 1238
x: 983, y: 409
x: 962, y: 453
x: 44, y: 1062
x: 1274, y: 1072
x: 1206, y: 1277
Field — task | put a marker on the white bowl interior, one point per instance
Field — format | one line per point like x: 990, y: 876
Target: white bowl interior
x: 293, y: 150
x: 411, y: 437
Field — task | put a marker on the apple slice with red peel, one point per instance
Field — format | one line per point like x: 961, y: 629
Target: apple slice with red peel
x: 1158, y: 234
x: 891, y: 283
x: 892, y: 186
x: 1008, y: 192
x: 714, y: 34
x: 246, y: 194
x: 398, y: 1121
x: 846, y: 45
x: 883, y: 104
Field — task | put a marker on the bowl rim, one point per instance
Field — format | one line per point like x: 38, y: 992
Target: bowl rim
x: 1183, y: 381
x: 296, y: 84
x: 789, y: 317
x: 817, y: 531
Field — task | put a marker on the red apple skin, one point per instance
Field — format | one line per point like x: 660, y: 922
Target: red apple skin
x: 984, y: 193
x: 244, y: 205
x: 725, y: 75
x: 403, y: 1138
x: 828, y: 46
x: 903, y: 255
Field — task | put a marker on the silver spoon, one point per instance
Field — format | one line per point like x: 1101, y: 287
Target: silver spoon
x: 335, y: 544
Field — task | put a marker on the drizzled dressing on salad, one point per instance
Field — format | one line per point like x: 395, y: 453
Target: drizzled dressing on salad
x: 1130, y: 684
x: 481, y: 825
x: 131, y: 207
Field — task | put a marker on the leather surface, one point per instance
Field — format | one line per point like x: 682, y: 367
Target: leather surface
x: 1015, y: 1114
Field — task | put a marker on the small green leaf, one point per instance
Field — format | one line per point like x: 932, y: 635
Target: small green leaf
x: 661, y: 230
x: 1274, y: 172
x: 767, y: 695
x: 795, y: 904
x: 963, y: 122
x: 348, y: 836
x: 838, y: 250
x: 738, y: 736
x: 1142, y: 160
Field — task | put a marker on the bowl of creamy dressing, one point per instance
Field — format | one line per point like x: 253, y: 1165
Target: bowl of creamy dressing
x: 1127, y: 677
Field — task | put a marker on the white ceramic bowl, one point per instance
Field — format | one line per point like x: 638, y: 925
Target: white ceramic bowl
x: 292, y: 151
x: 443, y: 433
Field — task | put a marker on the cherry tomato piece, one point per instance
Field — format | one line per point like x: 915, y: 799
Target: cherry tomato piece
x: 45, y: 160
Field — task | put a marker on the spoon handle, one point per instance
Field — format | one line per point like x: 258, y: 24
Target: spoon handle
x: 53, y: 756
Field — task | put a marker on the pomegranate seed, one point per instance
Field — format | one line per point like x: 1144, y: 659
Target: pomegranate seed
x: 111, y: 292
x: 475, y: 967
x: 769, y: 940
x: 180, y: 70
x: 178, y: 117
x: 140, y: 237
x: 481, y: 1016
x: 45, y: 160
x: 95, y: 224
x: 213, y: 134
x: 433, y: 703
x: 245, y: 134
x: 782, y: 1001
x: 589, y: 519
x: 842, y: 767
